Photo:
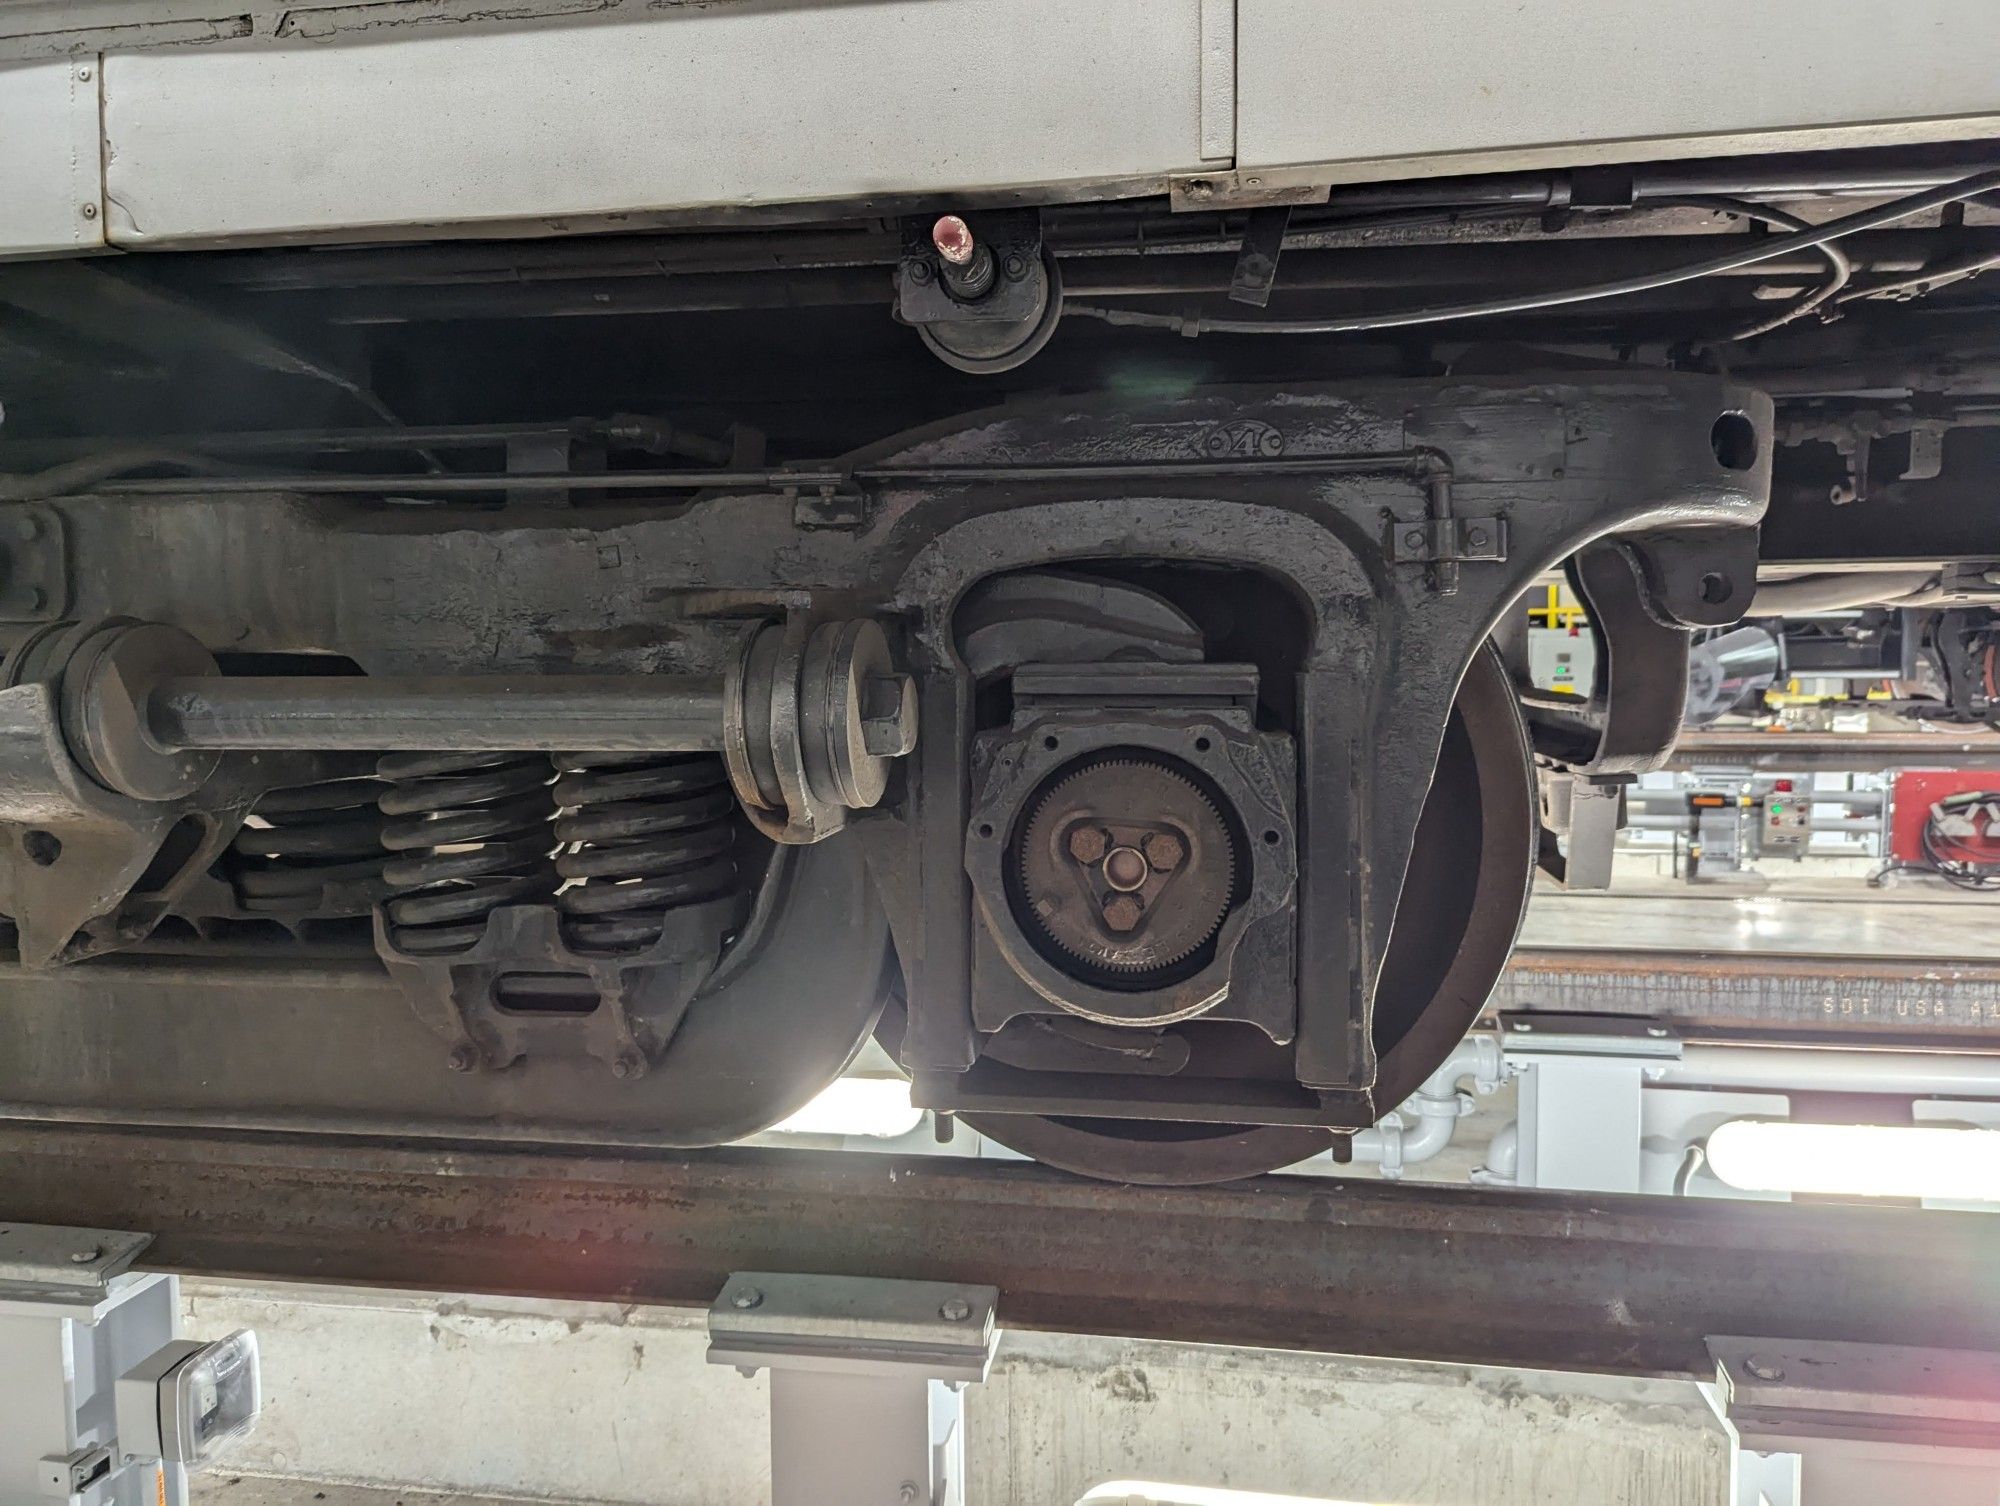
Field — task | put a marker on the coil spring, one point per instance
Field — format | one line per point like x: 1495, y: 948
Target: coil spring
x: 306, y: 840
x: 469, y: 833
x: 641, y: 834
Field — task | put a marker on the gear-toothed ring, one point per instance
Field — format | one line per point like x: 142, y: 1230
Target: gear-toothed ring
x: 1126, y: 866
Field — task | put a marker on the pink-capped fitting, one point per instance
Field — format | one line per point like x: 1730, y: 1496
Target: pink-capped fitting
x: 953, y: 239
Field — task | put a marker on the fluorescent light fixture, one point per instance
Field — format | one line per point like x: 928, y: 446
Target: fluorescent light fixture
x: 1157, y: 1493
x: 879, y: 1107
x: 1858, y: 1160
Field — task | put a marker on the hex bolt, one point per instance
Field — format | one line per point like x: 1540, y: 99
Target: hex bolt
x: 1088, y: 844
x: 907, y: 1492
x: 1122, y: 911
x: 746, y: 1298
x: 1165, y: 851
x: 889, y: 715
x: 955, y: 1310
x: 1476, y: 537
x: 627, y: 1064
x: 463, y: 1058
x: 1763, y: 1369
x: 83, y: 74
x: 84, y: 1256
x: 1414, y: 539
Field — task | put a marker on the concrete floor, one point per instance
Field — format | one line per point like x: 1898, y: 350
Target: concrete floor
x: 374, y: 1399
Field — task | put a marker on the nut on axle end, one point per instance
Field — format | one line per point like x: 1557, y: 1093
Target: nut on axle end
x: 812, y: 720
x: 107, y: 687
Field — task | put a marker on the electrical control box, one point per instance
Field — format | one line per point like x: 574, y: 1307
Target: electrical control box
x: 1785, y: 830
x: 1562, y: 659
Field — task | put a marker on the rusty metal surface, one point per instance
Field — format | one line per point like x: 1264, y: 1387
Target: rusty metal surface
x: 1736, y: 993
x: 1797, y: 752
x: 1614, y: 1284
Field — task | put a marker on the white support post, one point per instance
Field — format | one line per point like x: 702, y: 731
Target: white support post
x: 73, y: 1319
x: 867, y: 1381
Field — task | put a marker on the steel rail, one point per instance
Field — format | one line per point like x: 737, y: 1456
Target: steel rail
x: 1936, y: 1001
x: 1860, y: 752
x: 1600, y: 1283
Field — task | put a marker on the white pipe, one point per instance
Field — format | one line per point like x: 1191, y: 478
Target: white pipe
x: 1833, y: 1070
x: 1861, y: 825
x: 1833, y: 593
x: 1424, y: 1123
x: 1503, y: 1157
x: 1675, y: 801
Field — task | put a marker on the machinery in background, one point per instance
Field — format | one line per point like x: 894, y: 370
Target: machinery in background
x: 1732, y: 825
x: 1729, y: 671
x: 1563, y: 660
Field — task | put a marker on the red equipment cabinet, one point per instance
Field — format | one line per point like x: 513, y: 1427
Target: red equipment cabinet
x: 1914, y: 793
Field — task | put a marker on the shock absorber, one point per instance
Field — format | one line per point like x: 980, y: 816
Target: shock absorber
x: 469, y: 833
x: 312, y: 850
x: 641, y: 834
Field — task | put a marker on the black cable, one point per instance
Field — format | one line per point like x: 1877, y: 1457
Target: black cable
x: 1769, y: 248
x: 88, y: 471
x: 1839, y: 270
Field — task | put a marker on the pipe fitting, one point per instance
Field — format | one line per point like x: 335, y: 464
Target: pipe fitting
x: 1394, y: 1144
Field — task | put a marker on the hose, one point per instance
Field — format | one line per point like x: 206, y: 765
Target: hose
x: 1768, y: 248
x: 1840, y: 271
x: 1950, y: 858
x: 87, y: 471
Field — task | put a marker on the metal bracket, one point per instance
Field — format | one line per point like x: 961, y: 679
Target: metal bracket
x: 1590, y: 812
x: 867, y: 1379
x: 48, y: 1265
x: 845, y: 507
x: 34, y: 565
x: 1428, y: 541
x: 1866, y: 1422
x: 641, y: 997
x: 1581, y: 1124
x: 73, y: 854
x: 1234, y: 190
x: 1926, y: 461
x: 1257, y: 259
x: 1630, y: 722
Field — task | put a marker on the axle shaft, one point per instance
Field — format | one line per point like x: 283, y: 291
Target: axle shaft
x: 440, y: 714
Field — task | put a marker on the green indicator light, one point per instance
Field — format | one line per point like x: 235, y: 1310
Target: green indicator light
x: 1777, y: 810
